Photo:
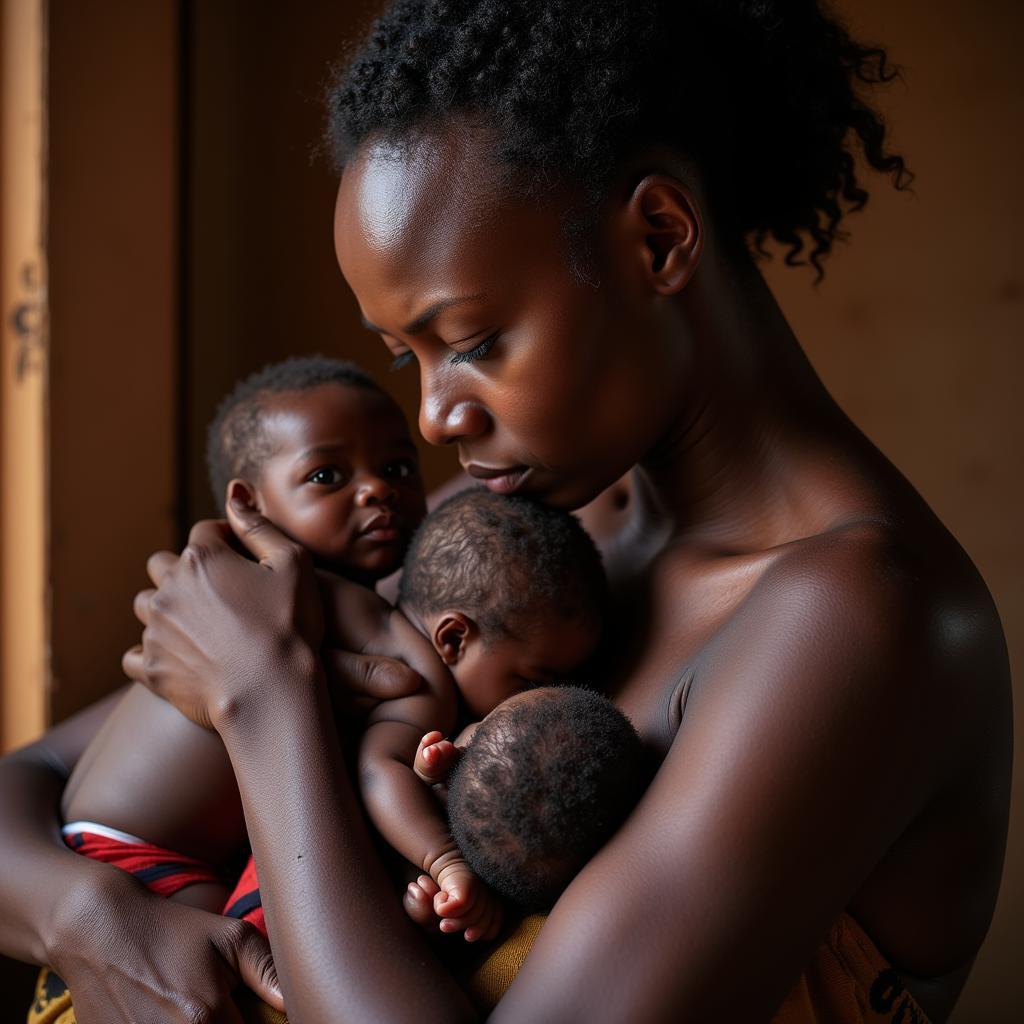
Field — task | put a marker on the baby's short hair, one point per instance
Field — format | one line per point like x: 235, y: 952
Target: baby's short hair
x: 236, y: 443
x: 540, y: 788
x: 503, y: 561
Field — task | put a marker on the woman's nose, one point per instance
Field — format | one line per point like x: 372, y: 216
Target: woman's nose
x: 374, y: 490
x: 443, y: 421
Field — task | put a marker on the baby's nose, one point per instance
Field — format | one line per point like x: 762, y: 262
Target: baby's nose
x: 374, y: 490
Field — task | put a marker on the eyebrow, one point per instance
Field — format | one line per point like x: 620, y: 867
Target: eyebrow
x: 420, y: 322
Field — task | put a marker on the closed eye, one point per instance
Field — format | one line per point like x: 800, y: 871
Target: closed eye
x: 399, y: 361
x: 478, y: 352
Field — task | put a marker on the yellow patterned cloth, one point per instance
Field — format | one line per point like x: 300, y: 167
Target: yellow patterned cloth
x: 52, y: 1004
x: 847, y: 982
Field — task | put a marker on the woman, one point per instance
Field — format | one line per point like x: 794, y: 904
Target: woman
x: 547, y: 207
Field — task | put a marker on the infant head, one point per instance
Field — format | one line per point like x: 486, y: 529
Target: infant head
x: 546, y: 779
x: 510, y: 592
x: 320, y: 450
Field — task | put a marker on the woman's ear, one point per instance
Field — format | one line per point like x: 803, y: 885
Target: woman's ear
x: 451, y: 635
x: 243, y: 495
x: 668, y: 231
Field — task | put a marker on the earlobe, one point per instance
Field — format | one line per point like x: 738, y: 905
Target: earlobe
x: 451, y: 635
x: 673, y: 236
x: 242, y: 494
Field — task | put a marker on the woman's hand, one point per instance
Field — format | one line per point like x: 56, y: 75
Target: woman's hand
x: 221, y: 628
x: 117, y: 974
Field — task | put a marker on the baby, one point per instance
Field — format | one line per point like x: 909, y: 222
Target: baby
x: 499, y: 595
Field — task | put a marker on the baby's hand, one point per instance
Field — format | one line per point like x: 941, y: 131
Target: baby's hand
x: 435, y: 758
x: 465, y: 904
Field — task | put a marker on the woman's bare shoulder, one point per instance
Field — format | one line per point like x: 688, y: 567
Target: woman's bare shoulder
x: 909, y: 589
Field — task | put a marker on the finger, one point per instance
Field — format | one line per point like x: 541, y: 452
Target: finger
x: 264, y: 541
x: 380, y: 679
x: 159, y: 565
x: 254, y: 964
x: 140, y: 606
x: 132, y: 664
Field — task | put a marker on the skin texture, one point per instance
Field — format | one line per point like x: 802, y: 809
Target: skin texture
x: 809, y: 650
x: 343, y: 480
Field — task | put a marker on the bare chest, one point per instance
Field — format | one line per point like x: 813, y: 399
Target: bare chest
x: 663, y: 625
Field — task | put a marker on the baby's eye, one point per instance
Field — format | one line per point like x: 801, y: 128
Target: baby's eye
x: 325, y: 476
x: 400, y: 469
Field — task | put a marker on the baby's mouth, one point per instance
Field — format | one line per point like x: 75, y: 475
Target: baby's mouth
x: 381, y: 528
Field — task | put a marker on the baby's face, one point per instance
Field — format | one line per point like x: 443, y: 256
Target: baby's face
x: 551, y: 650
x: 344, y: 478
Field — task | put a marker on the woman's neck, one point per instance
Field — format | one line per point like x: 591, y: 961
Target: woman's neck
x: 749, y: 463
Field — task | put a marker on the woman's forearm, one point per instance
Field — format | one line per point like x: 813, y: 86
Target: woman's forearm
x: 340, y: 936
x: 40, y: 879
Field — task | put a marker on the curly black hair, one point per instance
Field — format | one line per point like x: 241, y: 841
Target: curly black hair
x: 767, y: 97
x: 540, y: 788
x: 504, y: 561
x: 236, y: 443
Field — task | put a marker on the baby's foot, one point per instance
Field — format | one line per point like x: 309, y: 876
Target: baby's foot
x: 435, y: 758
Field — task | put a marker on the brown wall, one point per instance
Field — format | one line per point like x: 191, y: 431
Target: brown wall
x: 113, y: 251
x: 263, y: 283
x: 918, y: 331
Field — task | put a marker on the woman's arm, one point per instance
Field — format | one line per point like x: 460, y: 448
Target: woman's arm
x: 95, y: 924
x: 32, y: 853
x: 808, y: 746
x: 231, y: 643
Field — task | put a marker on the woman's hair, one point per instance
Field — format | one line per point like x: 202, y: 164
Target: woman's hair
x: 765, y: 96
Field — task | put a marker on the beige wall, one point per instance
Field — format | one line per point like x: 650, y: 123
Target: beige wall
x: 24, y: 666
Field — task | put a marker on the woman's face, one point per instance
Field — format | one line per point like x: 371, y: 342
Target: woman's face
x: 548, y: 386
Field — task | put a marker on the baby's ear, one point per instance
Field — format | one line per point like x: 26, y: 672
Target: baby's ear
x: 241, y: 492
x: 453, y: 632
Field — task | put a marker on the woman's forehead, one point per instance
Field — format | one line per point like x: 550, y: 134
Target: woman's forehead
x: 430, y: 219
x: 414, y: 199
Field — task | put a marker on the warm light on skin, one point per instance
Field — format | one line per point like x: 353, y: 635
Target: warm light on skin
x: 355, y: 445
x: 576, y: 387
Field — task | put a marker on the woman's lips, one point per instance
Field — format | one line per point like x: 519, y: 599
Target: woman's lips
x: 500, y: 480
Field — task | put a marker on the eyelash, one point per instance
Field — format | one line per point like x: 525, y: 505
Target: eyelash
x: 479, y: 352
x: 399, y: 361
